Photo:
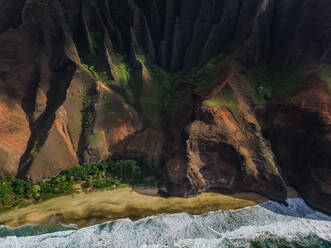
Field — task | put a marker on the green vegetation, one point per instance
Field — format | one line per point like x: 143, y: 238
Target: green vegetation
x: 278, y: 82
x: 108, y: 174
x: 100, y: 76
x: 18, y: 192
x: 93, y: 62
x: 282, y: 86
x: 88, y: 113
x: 122, y: 72
x: 225, y: 99
x: 205, y: 76
x: 168, y: 89
x: 160, y: 98
x: 107, y: 104
x: 124, y: 80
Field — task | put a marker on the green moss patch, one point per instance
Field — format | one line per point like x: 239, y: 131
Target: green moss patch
x: 121, y: 71
x: 100, y: 76
x: 225, y: 99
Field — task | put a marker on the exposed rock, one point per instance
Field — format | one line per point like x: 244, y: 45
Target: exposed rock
x: 303, y: 150
x: 284, y: 31
x: 209, y: 14
x: 18, y: 77
x: 222, y: 32
x: 57, y: 153
x: 257, y: 47
x: 142, y: 32
x: 148, y: 145
x: 85, y: 12
x: 14, y: 136
x: 216, y: 151
x: 165, y: 46
x: 115, y: 121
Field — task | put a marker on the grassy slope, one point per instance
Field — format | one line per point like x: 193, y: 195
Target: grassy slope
x: 225, y: 99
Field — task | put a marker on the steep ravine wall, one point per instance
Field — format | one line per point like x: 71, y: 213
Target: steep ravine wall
x: 174, y: 83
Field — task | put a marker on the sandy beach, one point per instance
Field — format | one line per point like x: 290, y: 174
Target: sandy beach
x: 85, y: 209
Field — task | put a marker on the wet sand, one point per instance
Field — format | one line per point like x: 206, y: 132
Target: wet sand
x: 85, y: 209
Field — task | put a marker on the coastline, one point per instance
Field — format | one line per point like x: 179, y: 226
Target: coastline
x: 86, y: 209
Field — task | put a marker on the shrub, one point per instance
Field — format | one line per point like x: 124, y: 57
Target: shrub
x: 107, y: 174
x: 36, y: 191
x: 87, y: 111
x: 5, y: 192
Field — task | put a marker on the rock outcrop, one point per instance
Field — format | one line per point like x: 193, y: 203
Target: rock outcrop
x: 303, y: 151
x: 219, y: 156
x: 82, y: 81
x: 217, y: 150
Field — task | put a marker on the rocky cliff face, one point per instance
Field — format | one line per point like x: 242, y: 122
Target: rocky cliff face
x: 303, y: 150
x: 213, y: 94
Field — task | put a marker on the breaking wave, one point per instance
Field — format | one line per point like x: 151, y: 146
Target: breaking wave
x: 266, y: 225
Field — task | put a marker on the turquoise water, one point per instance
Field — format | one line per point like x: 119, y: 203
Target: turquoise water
x: 268, y: 225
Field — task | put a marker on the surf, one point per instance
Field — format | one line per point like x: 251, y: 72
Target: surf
x: 266, y: 225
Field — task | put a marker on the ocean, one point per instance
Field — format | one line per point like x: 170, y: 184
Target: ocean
x: 268, y: 225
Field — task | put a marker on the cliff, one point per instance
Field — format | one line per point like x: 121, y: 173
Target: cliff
x: 229, y: 95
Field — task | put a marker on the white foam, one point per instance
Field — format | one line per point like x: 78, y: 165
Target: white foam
x: 215, y: 229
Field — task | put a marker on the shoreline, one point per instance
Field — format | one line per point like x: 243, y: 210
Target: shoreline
x: 86, y: 209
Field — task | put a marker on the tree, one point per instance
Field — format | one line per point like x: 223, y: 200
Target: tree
x: 36, y: 191
x: 5, y: 192
x: 29, y: 192
x: 19, y: 187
